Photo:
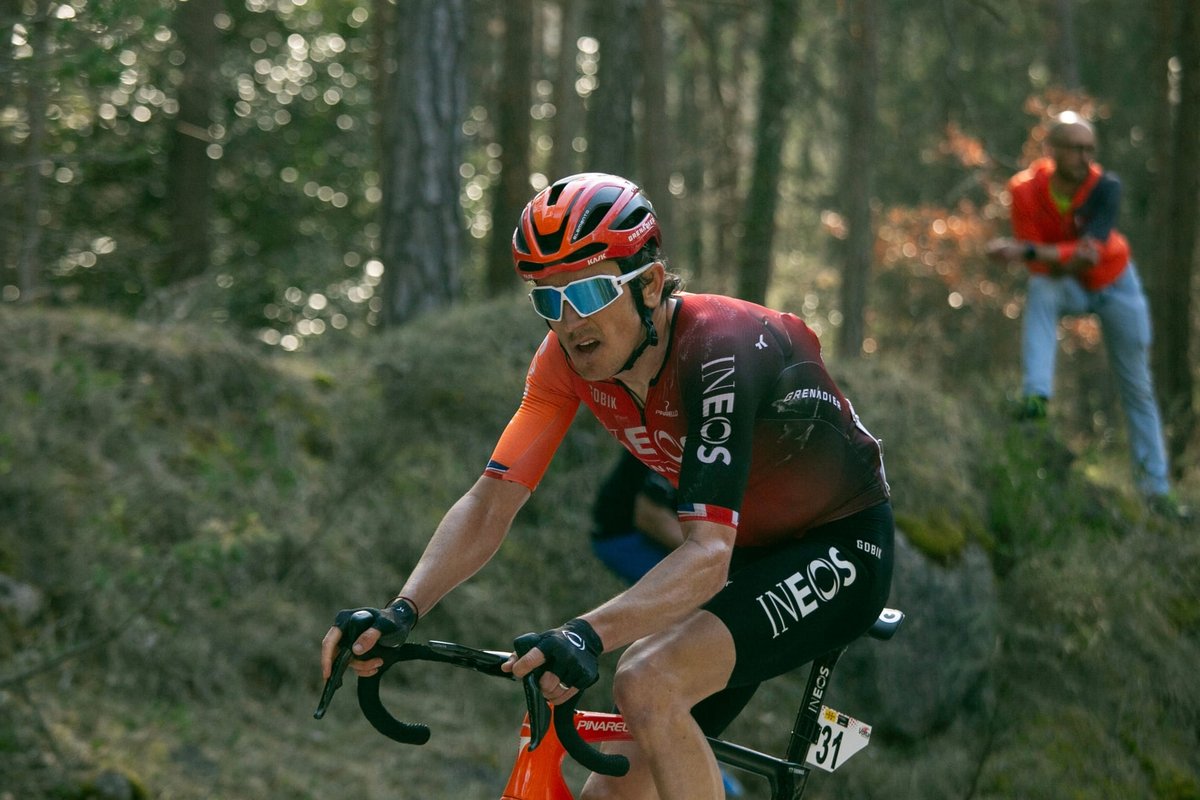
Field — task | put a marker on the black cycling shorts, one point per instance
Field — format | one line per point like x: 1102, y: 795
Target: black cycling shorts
x: 788, y: 603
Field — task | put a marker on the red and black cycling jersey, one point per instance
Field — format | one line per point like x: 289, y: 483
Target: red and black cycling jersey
x: 742, y: 418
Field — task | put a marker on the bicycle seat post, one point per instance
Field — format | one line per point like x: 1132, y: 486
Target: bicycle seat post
x: 807, y: 725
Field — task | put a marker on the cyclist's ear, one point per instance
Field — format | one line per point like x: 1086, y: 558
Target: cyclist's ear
x: 651, y: 284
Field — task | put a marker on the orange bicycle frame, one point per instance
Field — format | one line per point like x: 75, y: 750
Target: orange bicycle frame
x: 537, y: 774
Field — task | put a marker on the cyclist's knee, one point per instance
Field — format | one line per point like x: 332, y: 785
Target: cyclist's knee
x: 645, y: 691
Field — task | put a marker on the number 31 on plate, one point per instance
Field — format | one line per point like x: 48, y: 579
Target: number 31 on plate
x: 838, y: 738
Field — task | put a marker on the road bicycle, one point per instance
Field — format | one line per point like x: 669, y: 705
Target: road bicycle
x: 821, y: 737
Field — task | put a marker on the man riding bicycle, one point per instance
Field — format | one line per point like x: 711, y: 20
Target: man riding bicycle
x: 781, y: 493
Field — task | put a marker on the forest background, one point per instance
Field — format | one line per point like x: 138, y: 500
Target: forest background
x: 235, y: 235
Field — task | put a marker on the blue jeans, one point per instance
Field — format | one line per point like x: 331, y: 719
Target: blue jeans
x: 1125, y: 321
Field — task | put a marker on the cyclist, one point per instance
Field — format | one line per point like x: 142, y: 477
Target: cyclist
x: 781, y: 494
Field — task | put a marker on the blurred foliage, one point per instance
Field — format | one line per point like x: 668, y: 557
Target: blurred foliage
x: 295, y: 149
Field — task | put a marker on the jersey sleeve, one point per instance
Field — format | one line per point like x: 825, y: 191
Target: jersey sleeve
x: 1098, y: 215
x: 547, y: 409
x: 725, y: 378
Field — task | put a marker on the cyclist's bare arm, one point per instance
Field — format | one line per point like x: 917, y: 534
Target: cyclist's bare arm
x: 466, y: 539
x: 678, y: 585
x: 667, y: 594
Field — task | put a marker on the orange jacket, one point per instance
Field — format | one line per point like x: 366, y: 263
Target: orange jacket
x: 1093, y: 213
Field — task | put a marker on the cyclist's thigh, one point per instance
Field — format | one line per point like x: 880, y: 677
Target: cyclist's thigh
x: 802, y: 598
x: 690, y: 660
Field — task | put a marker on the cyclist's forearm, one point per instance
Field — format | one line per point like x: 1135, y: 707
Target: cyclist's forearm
x: 678, y: 585
x: 466, y: 539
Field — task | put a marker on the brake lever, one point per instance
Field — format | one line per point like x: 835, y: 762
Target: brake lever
x: 535, y: 701
x: 359, y: 621
x: 335, y: 681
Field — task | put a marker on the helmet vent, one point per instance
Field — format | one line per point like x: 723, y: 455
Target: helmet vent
x: 587, y: 251
x: 519, y: 240
x: 556, y: 191
x: 550, y: 242
x: 591, y: 220
x: 632, y: 219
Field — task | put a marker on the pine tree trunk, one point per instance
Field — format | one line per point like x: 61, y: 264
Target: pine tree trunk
x: 1170, y: 277
x: 512, y: 191
x: 775, y: 94
x: 422, y: 225
x: 610, y: 145
x: 189, y: 170
x: 857, y: 172
x: 28, y: 260
x: 656, y: 139
x: 568, y: 107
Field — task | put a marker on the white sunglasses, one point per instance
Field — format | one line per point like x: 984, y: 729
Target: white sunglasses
x: 586, y: 295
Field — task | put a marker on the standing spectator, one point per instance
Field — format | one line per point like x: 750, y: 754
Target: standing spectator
x: 1064, y: 216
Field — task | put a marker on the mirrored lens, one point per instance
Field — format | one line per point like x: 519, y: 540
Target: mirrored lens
x: 592, y: 294
x: 547, y: 302
x: 586, y: 296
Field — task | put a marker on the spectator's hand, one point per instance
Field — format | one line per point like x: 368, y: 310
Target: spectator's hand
x: 1005, y: 249
x: 1086, y: 256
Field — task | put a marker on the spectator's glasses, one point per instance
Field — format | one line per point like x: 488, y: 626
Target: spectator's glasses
x: 1083, y: 148
x: 586, y: 295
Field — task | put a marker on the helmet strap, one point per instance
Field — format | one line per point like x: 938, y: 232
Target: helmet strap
x: 651, y: 339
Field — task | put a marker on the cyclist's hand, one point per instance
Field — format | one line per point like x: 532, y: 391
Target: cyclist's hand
x: 569, y: 656
x: 388, y: 627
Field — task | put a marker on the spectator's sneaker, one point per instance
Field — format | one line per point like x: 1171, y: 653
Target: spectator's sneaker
x: 1168, y: 507
x: 732, y: 787
x: 1033, y: 406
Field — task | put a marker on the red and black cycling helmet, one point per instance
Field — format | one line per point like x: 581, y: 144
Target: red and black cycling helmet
x: 582, y: 220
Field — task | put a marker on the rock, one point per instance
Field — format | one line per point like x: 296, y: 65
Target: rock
x: 20, y: 602
x: 111, y: 784
x: 938, y: 666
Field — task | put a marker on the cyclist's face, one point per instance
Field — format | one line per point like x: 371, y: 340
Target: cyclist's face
x: 599, y: 344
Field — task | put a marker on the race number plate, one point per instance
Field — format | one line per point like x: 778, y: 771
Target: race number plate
x: 838, y: 738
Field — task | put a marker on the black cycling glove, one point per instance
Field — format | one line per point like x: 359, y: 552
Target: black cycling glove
x: 572, y: 653
x: 394, y: 623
